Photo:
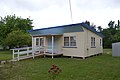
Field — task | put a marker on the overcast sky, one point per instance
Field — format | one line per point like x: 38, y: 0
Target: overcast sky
x: 49, y: 13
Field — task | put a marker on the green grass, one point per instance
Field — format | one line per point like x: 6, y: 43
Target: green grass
x: 107, y: 51
x: 102, y: 67
x: 5, y: 55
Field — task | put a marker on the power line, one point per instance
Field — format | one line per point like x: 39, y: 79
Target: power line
x: 71, y: 11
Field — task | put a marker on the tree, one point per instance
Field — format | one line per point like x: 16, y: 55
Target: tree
x: 87, y: 22
x: 111, y: 24
x: 108, y: 39
x: 99, y: 29
x: 109, y: 35
x: 17, y: 39
x: 91, y: 25
x: 12, y: 23
x: 112, y: 34
x: 117, y: 26
x: 116, y: 37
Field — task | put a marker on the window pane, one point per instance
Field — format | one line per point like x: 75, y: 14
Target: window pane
x: 91, y: 44
x: 92, y: 41
x: 100, y: 42
x: 73, y: 39
x: 73, y: 44
x: 37, y: 41
x: 66, y: 43
x: 94, y: 44
x: 41, y: 42
x: 66, y: 39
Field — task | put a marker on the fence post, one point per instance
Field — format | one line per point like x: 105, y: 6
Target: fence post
x: 27, y: 51
x: 13, y: 54
x: 18, y: 56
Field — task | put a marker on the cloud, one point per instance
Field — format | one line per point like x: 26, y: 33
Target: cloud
x: 56, y: 12
x: 25, y: 4
x: 53, y: 16
x: 31, y: 5
x: 97, y: 4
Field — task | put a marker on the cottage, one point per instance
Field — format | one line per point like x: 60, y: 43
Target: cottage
x: 75, y: 40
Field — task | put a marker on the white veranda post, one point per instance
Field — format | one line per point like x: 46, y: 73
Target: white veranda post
x: 44, y: 45
x: 39, y: 44
x: 33, y: 47
x: 52, y: 45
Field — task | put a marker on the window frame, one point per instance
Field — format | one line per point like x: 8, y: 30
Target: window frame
x: 41, y: 41
x: 69, y: 41
x: 66, y: 41
x: 38, y: 42
x: 72, y: 41
x: 93, y: 42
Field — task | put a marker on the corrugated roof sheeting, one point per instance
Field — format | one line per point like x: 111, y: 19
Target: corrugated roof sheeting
x: 56, y: 30
x: 59, y: 30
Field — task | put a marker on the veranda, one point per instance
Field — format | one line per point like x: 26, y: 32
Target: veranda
x: 41, y: 46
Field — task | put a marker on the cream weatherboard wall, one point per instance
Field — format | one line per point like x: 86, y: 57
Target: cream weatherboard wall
x: 83, y: 44
x: 98, y: 46
x: 77, y: 51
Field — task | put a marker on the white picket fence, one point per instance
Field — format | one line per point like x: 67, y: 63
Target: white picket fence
x: 24, y: 53
x: 28, y: 52
x: 19, y: 53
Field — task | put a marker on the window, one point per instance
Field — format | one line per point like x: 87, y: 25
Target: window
x: 66, y: 41
x: 100, y: 42
x: 73, y: 41
x: 39, y: 42
x: 70, y: 41
x: 92, y: 42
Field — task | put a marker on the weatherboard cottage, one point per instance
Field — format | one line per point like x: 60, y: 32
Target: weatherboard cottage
x: 74, y: 40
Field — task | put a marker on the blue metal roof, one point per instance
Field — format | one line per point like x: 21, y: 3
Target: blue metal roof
x: 92, y: 29
x: 59, y: 30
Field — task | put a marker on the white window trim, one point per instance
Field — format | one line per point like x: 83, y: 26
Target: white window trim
x: 93, y: 42
x: 39, y: 42
x: 66, y: 41
x: 69, y: 41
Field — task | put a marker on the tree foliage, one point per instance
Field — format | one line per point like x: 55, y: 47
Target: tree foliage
x: 17, y: 39
x: 87, y: 22
x: 11, y: 23
x: 99, y: 28
x: 112, y: 34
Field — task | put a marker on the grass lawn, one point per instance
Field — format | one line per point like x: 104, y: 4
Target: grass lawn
x: 102, y: 67
x: 5, y: 55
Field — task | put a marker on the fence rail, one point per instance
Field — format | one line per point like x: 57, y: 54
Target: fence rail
x: 22, y: 51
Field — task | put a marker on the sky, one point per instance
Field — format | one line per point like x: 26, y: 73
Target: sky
x: 50, y: 13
